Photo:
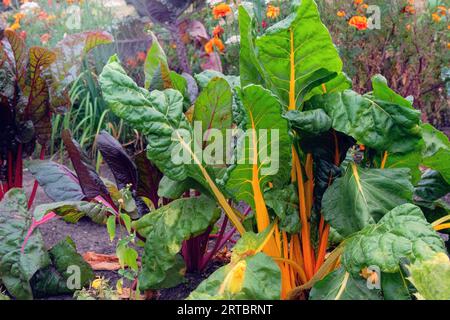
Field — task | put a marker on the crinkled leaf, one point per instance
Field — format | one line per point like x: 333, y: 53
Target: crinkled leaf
x: 58, y: 182
x: 256, y: 277
x: 432, y: 186
x: 403, y: 233
x: 73, y: 211
x: 363, y: 196
x: 377, y: 124
x: 65, y: 257
x: 165, y: 229
x: 311, y: 122
x: 284, y: 202
x: 335, y: 286
x: 436, y: 154
x: 17, y: 268
x: 432, y: 278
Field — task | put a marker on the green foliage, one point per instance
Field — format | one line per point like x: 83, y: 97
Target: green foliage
x: 165, y: 229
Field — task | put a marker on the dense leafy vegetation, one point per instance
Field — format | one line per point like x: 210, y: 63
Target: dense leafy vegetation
x: 330, y: 193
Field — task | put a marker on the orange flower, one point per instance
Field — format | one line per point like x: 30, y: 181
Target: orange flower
x: 408, y: 27
x: 443, y: 10
x: 365, y: 6
x: 410, y: 9
x: 214, y: 43
x: 436, y: 17
x: 6, y: 3
x: 218, y: 31
x: 141, y: 56
x: 19, y: 16
x: 44, y: 38
x: 272, y: 12
x: 14, y: 26
x: 359, y: 22
x: 221, y: 10
x: 131, y: 63
x: 341, y: 13
x: 358, y: 2
x: 448, y: 45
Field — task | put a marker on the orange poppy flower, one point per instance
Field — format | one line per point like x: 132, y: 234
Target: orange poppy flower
x: 341, y: 13
x: 272, y: 12
x: 214, y: 43
x: 358, y: 2
x: 6, y: 3
x: 435, y: 17
x: 221, y: 10
x: 409, y: 9
x: 443, y: 10
x: 218, y: 31
x: 359, y: 22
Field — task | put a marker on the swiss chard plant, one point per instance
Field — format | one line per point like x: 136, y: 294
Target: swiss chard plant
x: 34, y: 85
x: 342, y: 211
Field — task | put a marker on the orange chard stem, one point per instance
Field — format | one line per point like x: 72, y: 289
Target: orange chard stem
x: 322, y: 247
x: 383, y: 162
x: 306, y: 243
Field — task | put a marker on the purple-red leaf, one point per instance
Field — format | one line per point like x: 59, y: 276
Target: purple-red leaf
x: 90, y: 182
x: 121, y: 165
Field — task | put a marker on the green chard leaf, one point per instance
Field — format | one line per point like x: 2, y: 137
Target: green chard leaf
x: 403, y: 233
x: 292, y: 57
x: 436, y: 154
x: 340, y: 285
x: 363, y: 196
x: 16, y: 267
x: 432, y: 278
x: 165, y: 230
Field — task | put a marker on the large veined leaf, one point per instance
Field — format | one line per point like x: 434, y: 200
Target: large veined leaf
x: 378, y: 124
x: 403, y: 233
x: 395, y: 286
x: 284, y: 203
x: 70, y: 53
x: 294, y: 56
x: 65, y: 257
x: 36, y: 92
x: 90, y: 182
x: 16, y: 267
x: 158, y: 115
x: 149, y: 178
x: 432, y: 186
x: 250, y: 274
x: 363, y: 196
x: 156, y: 66
x: 203, y: 78
x: 123, y: 168
x: 432, y: 277
x: 58, y: 182
x: 264, y: 151
x: 67, y: 263
x: 437, y: 151
x: 340, y: 285
x: 19, y: 55
x: 213, y: 107
x: 73, y: 211
x: 165, y: 229
x: 312, y: 122
x: 256, y: 277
